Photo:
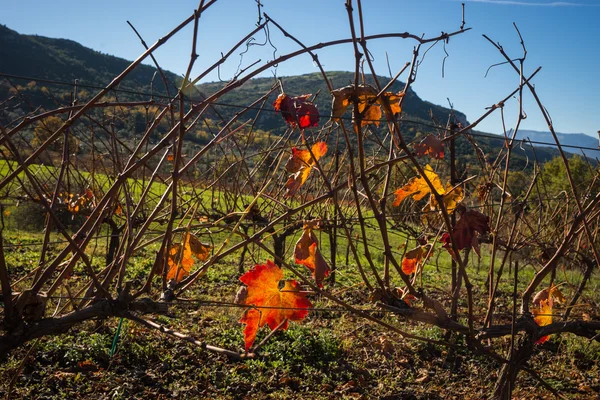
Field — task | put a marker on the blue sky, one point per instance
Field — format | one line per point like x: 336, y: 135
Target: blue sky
x: 563, y: 37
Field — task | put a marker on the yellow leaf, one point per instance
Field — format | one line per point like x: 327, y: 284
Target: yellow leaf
x: 543, y: 316
x: 418, y: 188
x: 451, y: 199
x: 543, y: 313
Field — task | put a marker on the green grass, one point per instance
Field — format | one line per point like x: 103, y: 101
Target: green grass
x: 332, y: 354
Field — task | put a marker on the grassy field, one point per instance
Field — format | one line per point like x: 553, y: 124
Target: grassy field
x: 332, y: 354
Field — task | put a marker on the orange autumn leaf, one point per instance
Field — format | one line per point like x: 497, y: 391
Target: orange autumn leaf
x: 300, y: 164
x: 180, y: 259
x: 280, y: 306
x: 180, y: 262
x: 372, y: 115
x: 394, y: 100
x: 411, y: 259
x: 431, y: 146
x: 365, y: 94
x: 297, y: 111
x: 170, y: 157
x: 543, y: 316
x: 418, y: 188
x: 307, y: 253
x: 414, y: 258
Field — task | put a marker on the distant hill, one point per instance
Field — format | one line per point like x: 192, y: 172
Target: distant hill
x: 414, y: 107
x: 565, y: 139
x: 417, y: 113
x: 66, y: 60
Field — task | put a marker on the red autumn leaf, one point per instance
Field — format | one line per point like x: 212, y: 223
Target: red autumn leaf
x: 430, y: 145
x: 280, y: 306
x: 308, y: 254
x: 465, y: 232
x: 300, y: 164
x: 180, y: 259
x: 297, y: 111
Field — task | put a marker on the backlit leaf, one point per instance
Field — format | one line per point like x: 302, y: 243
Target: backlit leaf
x: 180, y: 260
x: 281, y: 306
x: 199, y: 249
x: 411, y: 259
x: 431, y: 146
x: 300, y: 164
x: 414, y: 259
x: 76, y: 202
x: 308, y: 254
x: 297, y: 111
x: 372, y: 115
x: 418, y: 188
x: 451, y: 198
x: 543, y: 316
x: 343, y: 97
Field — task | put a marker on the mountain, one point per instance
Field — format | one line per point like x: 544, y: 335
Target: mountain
x: 415, y: 109
x: 48, y: 60
x: 565, y: 139
x: 66, y: 60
